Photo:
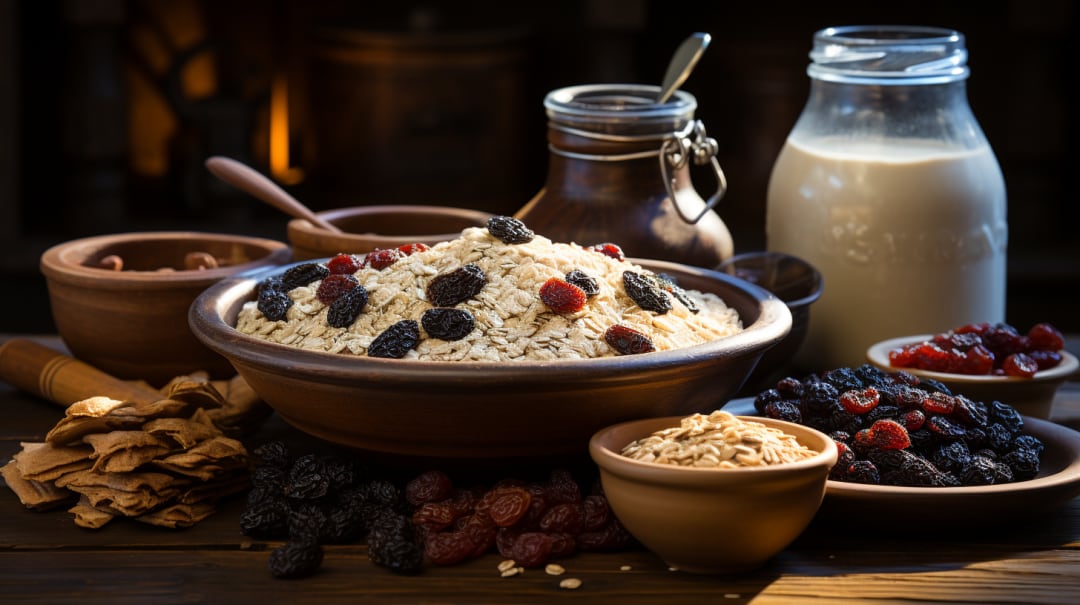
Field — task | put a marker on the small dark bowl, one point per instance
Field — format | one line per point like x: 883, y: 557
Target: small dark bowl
x: 792, y: 280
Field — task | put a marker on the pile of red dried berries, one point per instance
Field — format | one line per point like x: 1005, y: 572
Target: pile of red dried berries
x: 984, y: 348
x: 311, y: 500
x: 895, y: 429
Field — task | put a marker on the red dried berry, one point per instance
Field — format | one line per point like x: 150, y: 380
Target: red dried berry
x: 562, y: 297
x: 627, y: 341
x: 343, y: 264
x: 509, y: 505
x: 860, y: 402
x: 1044, y: 336
x: 889, y: 435
x: 532, y: 549
x: 380, y: 259
x: 410, y: 249
x: 448, y: 548
x: 334, y: 286
x: 939, y: 403
x: 609, y: 249
x: 429, y: 486
x: 1046, y: 359
x: 913, y: 420
x: 1020, y: 364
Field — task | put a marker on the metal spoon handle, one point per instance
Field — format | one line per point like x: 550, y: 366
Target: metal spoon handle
x: 247, y: 179
x: 682, y: 63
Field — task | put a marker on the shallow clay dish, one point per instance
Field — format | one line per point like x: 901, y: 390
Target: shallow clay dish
x: 962, y: 508
x: 388, y: 226
x: 712, y: 520
x: 1030, y: 396
x: 486, y: 409
x: 133, y: 323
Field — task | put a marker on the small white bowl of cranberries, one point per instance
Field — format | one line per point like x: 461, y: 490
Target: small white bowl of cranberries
x: 986, y: 362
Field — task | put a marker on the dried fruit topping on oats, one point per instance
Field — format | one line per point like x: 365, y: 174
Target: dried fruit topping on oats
x: 347, y: 307
x: 304, y: 274
x: 668, y: 284
x: 627, y: 341
x: 646, y: 292
x: 586, y: 282
x: 447, y: 323
x: 334, y: 285
x: 410, y: 249
x: 609, y: 249
x: 459, y: 285
x: 562, y: 297
x: 510, y: 230
x: 343, y: 264
x: 396, y: 341
x: 274, y: 303
x: 381, y: 259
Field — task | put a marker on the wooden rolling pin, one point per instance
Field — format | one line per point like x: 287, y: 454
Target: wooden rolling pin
x: 62, y: 379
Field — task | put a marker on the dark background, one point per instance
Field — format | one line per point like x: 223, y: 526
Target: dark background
x: 108, y: 107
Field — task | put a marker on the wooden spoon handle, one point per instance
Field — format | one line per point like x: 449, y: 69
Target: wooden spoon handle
x: 50, y: 374
x: 247, y: 179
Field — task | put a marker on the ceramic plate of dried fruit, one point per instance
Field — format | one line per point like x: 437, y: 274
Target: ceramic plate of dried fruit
x: 957, y: 509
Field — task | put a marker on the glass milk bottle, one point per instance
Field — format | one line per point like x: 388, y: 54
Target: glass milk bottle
x: 888, y: 186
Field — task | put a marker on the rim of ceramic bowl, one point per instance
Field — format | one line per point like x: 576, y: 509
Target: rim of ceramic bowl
x: 63, y: 261
x: 878, y: 354
x: 207, y: 318
x: 613, y: 461
x: 306, y: 227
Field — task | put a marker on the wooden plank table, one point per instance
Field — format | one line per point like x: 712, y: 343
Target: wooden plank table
x: 46, y: 559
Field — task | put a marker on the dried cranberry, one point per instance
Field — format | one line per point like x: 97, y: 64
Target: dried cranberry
x: 609, y: 249
x: 380, y: 259
x: 334, y: 285
x: 627, y: 341
x: 1020, y: 364
x: 343, y: 264
x: 562, y: 297
x: 410, y: 249
x: 860, y: 401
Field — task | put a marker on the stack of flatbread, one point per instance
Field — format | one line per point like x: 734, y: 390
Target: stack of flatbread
x: 165, y: 463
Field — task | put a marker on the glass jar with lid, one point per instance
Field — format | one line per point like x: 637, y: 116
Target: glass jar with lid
x: 887, y: 184
x: 619, y: 172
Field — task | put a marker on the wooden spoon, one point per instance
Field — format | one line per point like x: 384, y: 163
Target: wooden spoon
x: 247, y: 179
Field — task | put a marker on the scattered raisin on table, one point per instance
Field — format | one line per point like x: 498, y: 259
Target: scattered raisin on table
x: 295, y: 559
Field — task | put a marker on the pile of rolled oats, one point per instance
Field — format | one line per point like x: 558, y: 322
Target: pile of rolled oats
x: 511, y: 320
x: 719, y: 440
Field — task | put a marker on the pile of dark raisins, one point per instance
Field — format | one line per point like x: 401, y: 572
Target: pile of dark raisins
x: 315, y: 499
x: 894, y: 429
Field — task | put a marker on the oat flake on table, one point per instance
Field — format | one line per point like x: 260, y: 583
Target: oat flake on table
x: 511, y: 321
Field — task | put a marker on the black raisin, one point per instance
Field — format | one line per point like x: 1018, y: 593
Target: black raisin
x: 266, y: 519
x: 392, y: 543
x: 272, y: 453
x: 1029, y: 442
x: 766, y: 397
x: 303, y: 274
x: 510, y: 230
x: 998, y: 438
x: 844, y: 379
x: 873, y: 376
x: 274, y: 304
x: 308, y: 521
x: 783, y: 410
x: 583, y: 280
x: 447, y: 323
x: 980, y: 471
x: 1007, y: 416
x: 668, y: 284
x: 952, y: 457
x: 295, y: 559
x: 461, y: 284
x: 863, y: 471
x: 347, y: 307
x: 931, y: 386
x: 646, y: 293
x: 1024, y: 463
x: 396, y: 341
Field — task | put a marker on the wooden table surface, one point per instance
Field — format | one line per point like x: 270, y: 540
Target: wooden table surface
x: 46, y: 559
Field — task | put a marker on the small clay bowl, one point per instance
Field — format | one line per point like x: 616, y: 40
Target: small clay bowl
x: 369, y: 227
x: 132, y: 323
x: 712, y: 520
x: 1030, y: 396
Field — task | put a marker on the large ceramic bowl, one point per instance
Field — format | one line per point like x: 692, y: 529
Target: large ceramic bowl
x: 132, y: 323
x: 379, y: 226
x: 1030, y: 396
x: 712, y: 520
x: 488, y: 409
